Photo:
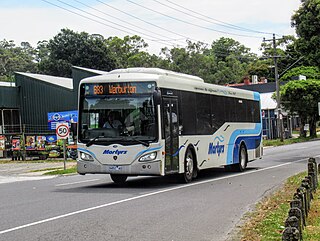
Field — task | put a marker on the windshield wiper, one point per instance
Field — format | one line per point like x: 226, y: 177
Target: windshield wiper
x: 93, y: 140
x: 147, y: 144
x: 135, y: 139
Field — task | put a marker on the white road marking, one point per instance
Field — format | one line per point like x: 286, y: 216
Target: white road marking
x: 143, y: 196
x: 73, y: 183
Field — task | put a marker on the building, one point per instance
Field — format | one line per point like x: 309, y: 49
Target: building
x: 25, y: 104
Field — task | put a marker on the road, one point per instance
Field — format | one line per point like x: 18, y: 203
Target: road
x: 91, y: 207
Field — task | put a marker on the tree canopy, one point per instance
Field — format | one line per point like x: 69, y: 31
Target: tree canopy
x: 301, y: 97
x: 306, y: 21
x: 70, y: 48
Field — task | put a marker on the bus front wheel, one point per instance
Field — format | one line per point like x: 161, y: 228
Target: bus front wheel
x: 118, y: 178
x: 190, y: 170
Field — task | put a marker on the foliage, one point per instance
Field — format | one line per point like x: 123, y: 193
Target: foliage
x: 306, y: 21
x: 15, y: 58
x: 70, y: 48
x: 225, y: 61
x: 309, y: 71
x: 302, y: 97
x: 128, y: 52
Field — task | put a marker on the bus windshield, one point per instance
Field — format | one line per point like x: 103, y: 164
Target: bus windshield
x: 118, y: 119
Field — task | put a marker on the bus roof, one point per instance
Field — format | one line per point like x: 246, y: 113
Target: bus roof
x: 170, y: 79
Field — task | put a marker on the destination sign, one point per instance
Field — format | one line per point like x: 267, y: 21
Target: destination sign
x: 124, y: 88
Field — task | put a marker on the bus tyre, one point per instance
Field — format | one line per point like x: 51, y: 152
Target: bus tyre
x: 243, y: 159
x: 189, y: 167
x: 118, y: 178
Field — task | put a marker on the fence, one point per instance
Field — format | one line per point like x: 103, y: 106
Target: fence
x: 300, y: 205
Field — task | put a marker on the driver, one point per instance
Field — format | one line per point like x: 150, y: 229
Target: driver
x: 112, y: 122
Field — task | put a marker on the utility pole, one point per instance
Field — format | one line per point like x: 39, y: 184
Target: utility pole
x: 276, y: 77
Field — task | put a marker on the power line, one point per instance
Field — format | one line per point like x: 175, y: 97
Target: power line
x: 220, y: 23
x: 121, y: 20
x: 140, y: 19
x: 94, y: 20
x: 157, y: 40
x: 189, y: 23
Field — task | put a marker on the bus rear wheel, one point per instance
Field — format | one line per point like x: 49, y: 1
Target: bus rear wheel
x: 118, y: 178
x: 243, y: 159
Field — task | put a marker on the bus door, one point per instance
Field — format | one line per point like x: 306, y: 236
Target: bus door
x: 171, y: 134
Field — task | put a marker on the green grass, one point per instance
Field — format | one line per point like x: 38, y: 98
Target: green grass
x: 277, y: 142
x: 267, y: 221
x: 70, y: 170
x: 36, y: 161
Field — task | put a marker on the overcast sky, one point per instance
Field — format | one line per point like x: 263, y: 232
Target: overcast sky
x: 161, y: 23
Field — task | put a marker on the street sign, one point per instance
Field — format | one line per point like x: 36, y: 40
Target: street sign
x: 62, y: 131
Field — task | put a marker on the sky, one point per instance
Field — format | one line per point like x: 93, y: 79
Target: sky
x: 161, y: 23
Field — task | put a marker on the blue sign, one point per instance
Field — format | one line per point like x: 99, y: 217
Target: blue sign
x: 65, y: 116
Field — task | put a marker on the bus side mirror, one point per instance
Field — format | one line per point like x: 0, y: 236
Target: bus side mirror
x: 157, y: 97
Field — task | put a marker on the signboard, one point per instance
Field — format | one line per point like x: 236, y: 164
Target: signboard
x: 123, y: 88
x: 62, y: 131
x: 57, y: 117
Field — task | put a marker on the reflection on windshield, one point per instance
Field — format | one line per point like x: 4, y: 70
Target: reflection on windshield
x: 121, y: 118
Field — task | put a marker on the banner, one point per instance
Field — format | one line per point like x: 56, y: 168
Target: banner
x: 66, y: 116
x: 16, y: 144
x: 30, y: 142
x: 2, y: 142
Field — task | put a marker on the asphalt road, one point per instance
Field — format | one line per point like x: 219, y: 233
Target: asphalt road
x: 91, y: 207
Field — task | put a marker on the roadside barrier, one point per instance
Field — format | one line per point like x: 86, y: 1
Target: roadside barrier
x: 300, y: 204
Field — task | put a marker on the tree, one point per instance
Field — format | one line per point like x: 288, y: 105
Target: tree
x: 309, y: 71
x: 306, y: 21
x: 70, y: 48
x: 301, y: 97
x: 129, y: 51
x: 15, y: 58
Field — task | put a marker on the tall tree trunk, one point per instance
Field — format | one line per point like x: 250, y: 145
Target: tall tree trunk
x: 313, y: 126
x: 303, y: 133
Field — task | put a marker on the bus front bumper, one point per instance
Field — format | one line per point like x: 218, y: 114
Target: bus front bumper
x: 139, y: 168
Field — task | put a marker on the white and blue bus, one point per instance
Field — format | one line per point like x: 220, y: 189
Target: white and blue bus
x: 168, y: 123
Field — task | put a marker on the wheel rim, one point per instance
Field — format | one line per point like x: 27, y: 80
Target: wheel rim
x: 189, y: 166
x: 243, y: 158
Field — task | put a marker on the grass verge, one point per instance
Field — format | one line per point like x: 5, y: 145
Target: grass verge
x: 277, y: 142
x: 267, y: 221
x: 70, y: 170
x: 35, y: 161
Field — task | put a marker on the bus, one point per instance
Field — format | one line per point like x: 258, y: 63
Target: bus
x: 171, y: 123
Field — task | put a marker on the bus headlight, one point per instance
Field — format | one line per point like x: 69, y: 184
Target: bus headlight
x: 86, y: 157
x: 148, y: 157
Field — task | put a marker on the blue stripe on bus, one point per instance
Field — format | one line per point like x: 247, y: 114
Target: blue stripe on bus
x: 248, y: 135
x: 89, y: 152
x: 148, y: 150
x: 256, y: 96
x: 177, y: 152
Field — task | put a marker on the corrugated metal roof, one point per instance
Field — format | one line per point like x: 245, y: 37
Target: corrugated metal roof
x: 7, y: 84
x: 100, y: 72
x: 60, y: 81
x: 267, y: 103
